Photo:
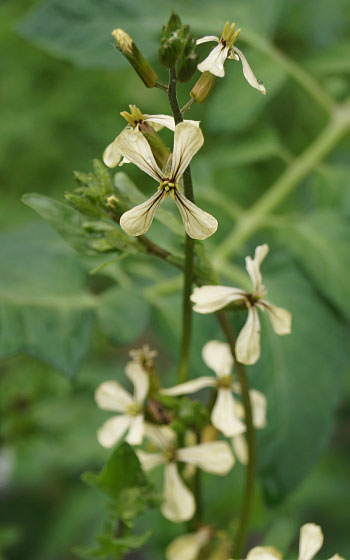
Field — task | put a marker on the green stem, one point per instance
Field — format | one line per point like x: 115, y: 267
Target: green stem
x: 189, y: 250
x: 252, y: 220
x: 251, y: 466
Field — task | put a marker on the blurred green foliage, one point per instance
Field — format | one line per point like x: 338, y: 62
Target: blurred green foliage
x: 59, y: 116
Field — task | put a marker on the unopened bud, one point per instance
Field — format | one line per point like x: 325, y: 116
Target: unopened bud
x: 128, y: 48
x: 203, y: 87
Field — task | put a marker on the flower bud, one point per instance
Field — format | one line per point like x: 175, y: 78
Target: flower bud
x: 128, y: 48
x: 203, y: 87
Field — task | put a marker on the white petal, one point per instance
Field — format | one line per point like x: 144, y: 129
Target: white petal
x: 162, y: 436
x: 280, y: 318
x: 149, y: 460
x: 259, y: 406
x: 311, y: 540
x: 198, y: 224
x: 134, y: 146
x: 208, y: 39
x: 337, y: 557
x: 136, y: 430
x: 214, y: 456
x: 214, y: 63
x: 264, y: 553
x: 224, y: 416
x: 178, y: 504
x: 112, y: 154
x: 248, y: 73
x: 188, y: 139
x: 139, y: 378
x: 248, y: 341
x: 188, y: 546
x: 253, y: 267
x: 113, y: 430
x: 208, y: 299
x: 138, y: 220
x: 240, y: 448
x: 110, y: 395
x: 158, y: 121
x: 190, y: 386
x: 217, y: 356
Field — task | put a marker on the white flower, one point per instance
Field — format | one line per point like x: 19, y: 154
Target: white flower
x: 213, y: 457
x: 228, y: 413
x: 188, y: 139
x: 214, y: 63
x: 110, y: 395
x: 187, y: 547
x: 208, y: 299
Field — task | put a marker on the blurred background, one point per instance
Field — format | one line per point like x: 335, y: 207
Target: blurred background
x: 64, y: 330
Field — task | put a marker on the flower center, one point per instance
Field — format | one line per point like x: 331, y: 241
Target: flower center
x: 225, y: 382
x: 229, y: 35
x: 169, y: 186
x: 133, y: 409
x: 170, y: 454
x: 135, y: 117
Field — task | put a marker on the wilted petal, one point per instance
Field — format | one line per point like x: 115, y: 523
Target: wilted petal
x: 311, y: 540
x: 134, y: 146
x: 264, y: 553
x: 259, y: 406
x: 253, y: 267
x: 248, y: 341
x: 162, y: 436
x: 188, y: 546
x: 198, y: 224
x: 112, y: 154
x: 138, y: 220
x: 214, y: 63
x: 110, y: 395
x: 224, y: 416
x: 113, y: 430
x: 240, y: 447
x: 136, y: 430
x: 248, y: 73
x: 188, y: 139
x: 217, y: 356
x: 208, y: 299
x: 139, y: 378
x: 280, y: 318
x: 158, y: 121
x: 208, y: 39
x: 213, y: 457
x: 178, y: 504
x: 149, y: 460
x: 190, y: 386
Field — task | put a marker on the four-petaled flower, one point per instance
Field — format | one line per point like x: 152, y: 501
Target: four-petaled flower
x: 214, y: 63
x: 227, y: 413
x: 188, y: 139
x: 208, y: 299
x: 213, y: 457
x: 110, y: 395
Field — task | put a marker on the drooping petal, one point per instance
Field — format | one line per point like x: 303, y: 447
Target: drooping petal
x: 214, y: 63
x: 240, y: 448
x: 198, y: 224
x: 110, y: 395
x: 264, y: 553
x: 259, y: 406
x: 162, y: 436
x: 138, y: 220
x: 208, y: 299
x: 208, y: 39
x: 134, y: 146
x: 113, y: 430
x: 217, y: 356
x: 139, y: 378
x: 149, y: 460
x: 224, y: 416
x: 253, y: 267
x: 136, y: 430
x: 188, y: 546
x: 213, y: 456
x: 248, y: 73
x: 190, y: 386
x: 158, y: 121
x: 112, y: 154
x: 311, y: 540
x: 178, y: 504
x: 280, y: 318
x: 188, y: 139
x: 248, y: 341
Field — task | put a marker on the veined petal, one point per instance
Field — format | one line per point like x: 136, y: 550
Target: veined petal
x: 280, y: 318
x: 311, y: 540
x: 264, y: 553
x: 139, y: 378
x: 110, y: 395
x: 134, y: 146
x: 149, y: 460
x: 188, y: 139
x: 138, y: 220
x: 259, y: 406
x: 208, y: 39
x: 161, y: 436
x: 113, y: 430
x: 208, y: 299
x: 178, y: 504
x: 198, y: 224
x: 248, y: 341
x: 253, y: 267
x: 224, y: 416
x: 248, y: 72
x: 188, y: 546
x: 217, y: 356
x: 213, y: 456
x: 158, y: 121
x: 112, y: 154
x: 214, y: 63
x: 240, y: 448
x: 136, y: 430
x: 190, y: 386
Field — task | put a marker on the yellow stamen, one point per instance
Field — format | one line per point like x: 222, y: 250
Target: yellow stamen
x: 134, y: 117
x: 229, y: 35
